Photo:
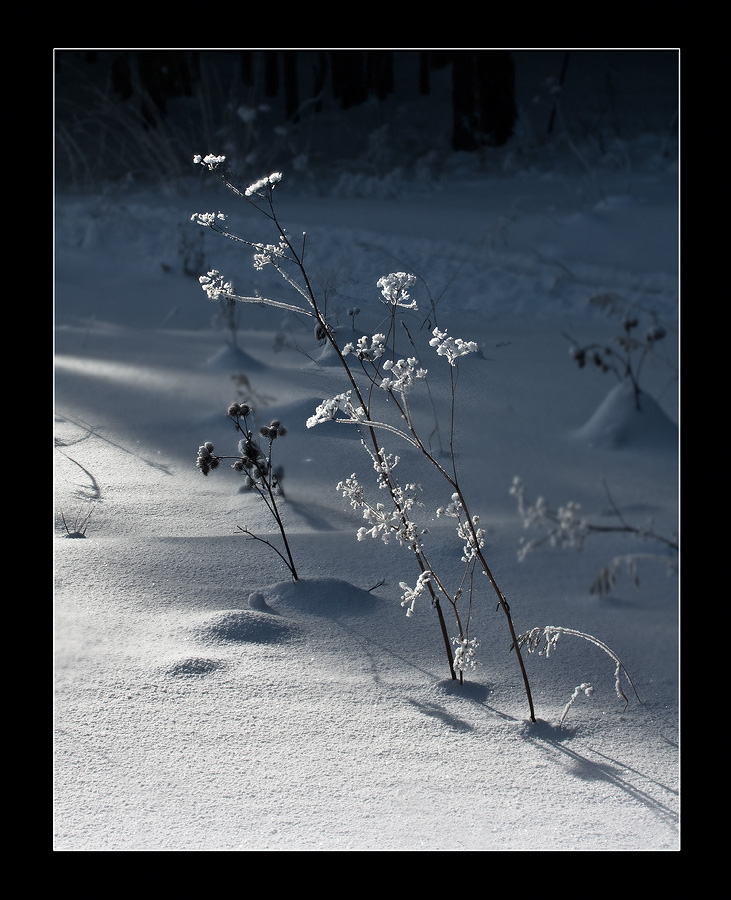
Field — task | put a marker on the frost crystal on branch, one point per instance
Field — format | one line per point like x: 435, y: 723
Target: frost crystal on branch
x: 210, y: 162
x: 207, y: 219
x: 544, y: 640
x: 363, y: 351
x: 384, y: 522
x: 403, y: 375
x: 268, y: 253
x: 215, y: 286
x: 410, y: 595
x: 465, y: 653
x: 393, y: 289
x: 585, y: 688
x: 454, y: 509
x: 566, y: 526
x: 328, y: 409
x: 260, y: 187
x: 473, y: 536
x: 451, y: 347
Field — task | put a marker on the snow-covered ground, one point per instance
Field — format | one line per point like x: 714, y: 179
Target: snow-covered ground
x: 204, y: 700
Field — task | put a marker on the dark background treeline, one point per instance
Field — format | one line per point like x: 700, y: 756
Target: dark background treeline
x: 160, y: 103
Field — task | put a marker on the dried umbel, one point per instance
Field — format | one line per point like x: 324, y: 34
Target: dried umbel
x: 256, y: 466
x: 627, y: 352
x: 274, y: 430
x: 206, y: 460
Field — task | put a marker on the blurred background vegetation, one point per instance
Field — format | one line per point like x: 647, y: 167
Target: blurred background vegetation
x: 138, y: 115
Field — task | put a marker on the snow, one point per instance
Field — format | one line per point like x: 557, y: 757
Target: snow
x: 203, y: 699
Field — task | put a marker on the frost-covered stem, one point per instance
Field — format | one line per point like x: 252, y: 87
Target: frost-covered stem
x: 453, y: 481
x: 312, y: 299
x: 506, y: 609
x: 478, y: 552
x: 549, y: 635
x: 609, y: 652
x: 440, y: 615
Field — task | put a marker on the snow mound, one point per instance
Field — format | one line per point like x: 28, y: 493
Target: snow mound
x: 322, y: 596
x: 617, y: 423
x: 233, y: 359
x: 245, y: 626
x: 195, y: 665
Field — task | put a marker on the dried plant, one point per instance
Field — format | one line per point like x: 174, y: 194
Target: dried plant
x: 626, y: 353
x: 544, y: 640
x: 258, y: 470
x: 376, y: 402
x: 566, y: 527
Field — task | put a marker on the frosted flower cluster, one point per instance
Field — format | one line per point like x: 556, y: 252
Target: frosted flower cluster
x: 263, y: 185
x: 210, y: 162
x: 215, y: 286
x: 363, y: 351
x: 383, y: 522
x: 353, y: 490
x: 268, y: 253
x: 454, y: 509
x: 465, y: 653
x: 566, y: 526
x: 206, y: 459
x: 451, y: 347
x: 403, y: 375
x: 384, y: 464
x: 472, y: 535
x: 328, y: 409
x: 393, y: 290
x: 572, y: 527
x: 410, y: 595
x: 207, y: 219
x: 474, y: 538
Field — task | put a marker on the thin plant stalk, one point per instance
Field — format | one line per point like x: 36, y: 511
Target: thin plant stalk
x: 287, y: 251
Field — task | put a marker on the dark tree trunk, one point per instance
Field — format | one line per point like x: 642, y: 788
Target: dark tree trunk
x: 483, y: 98
x: 424, y: 73
x: 164, y: 74
x: 247, y: 68
x: 349, y: 77
x: 379, y: 72
x: 271, y: 73
x: 320, y: 77
x: 291, y: 86
x: 122, y: 75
